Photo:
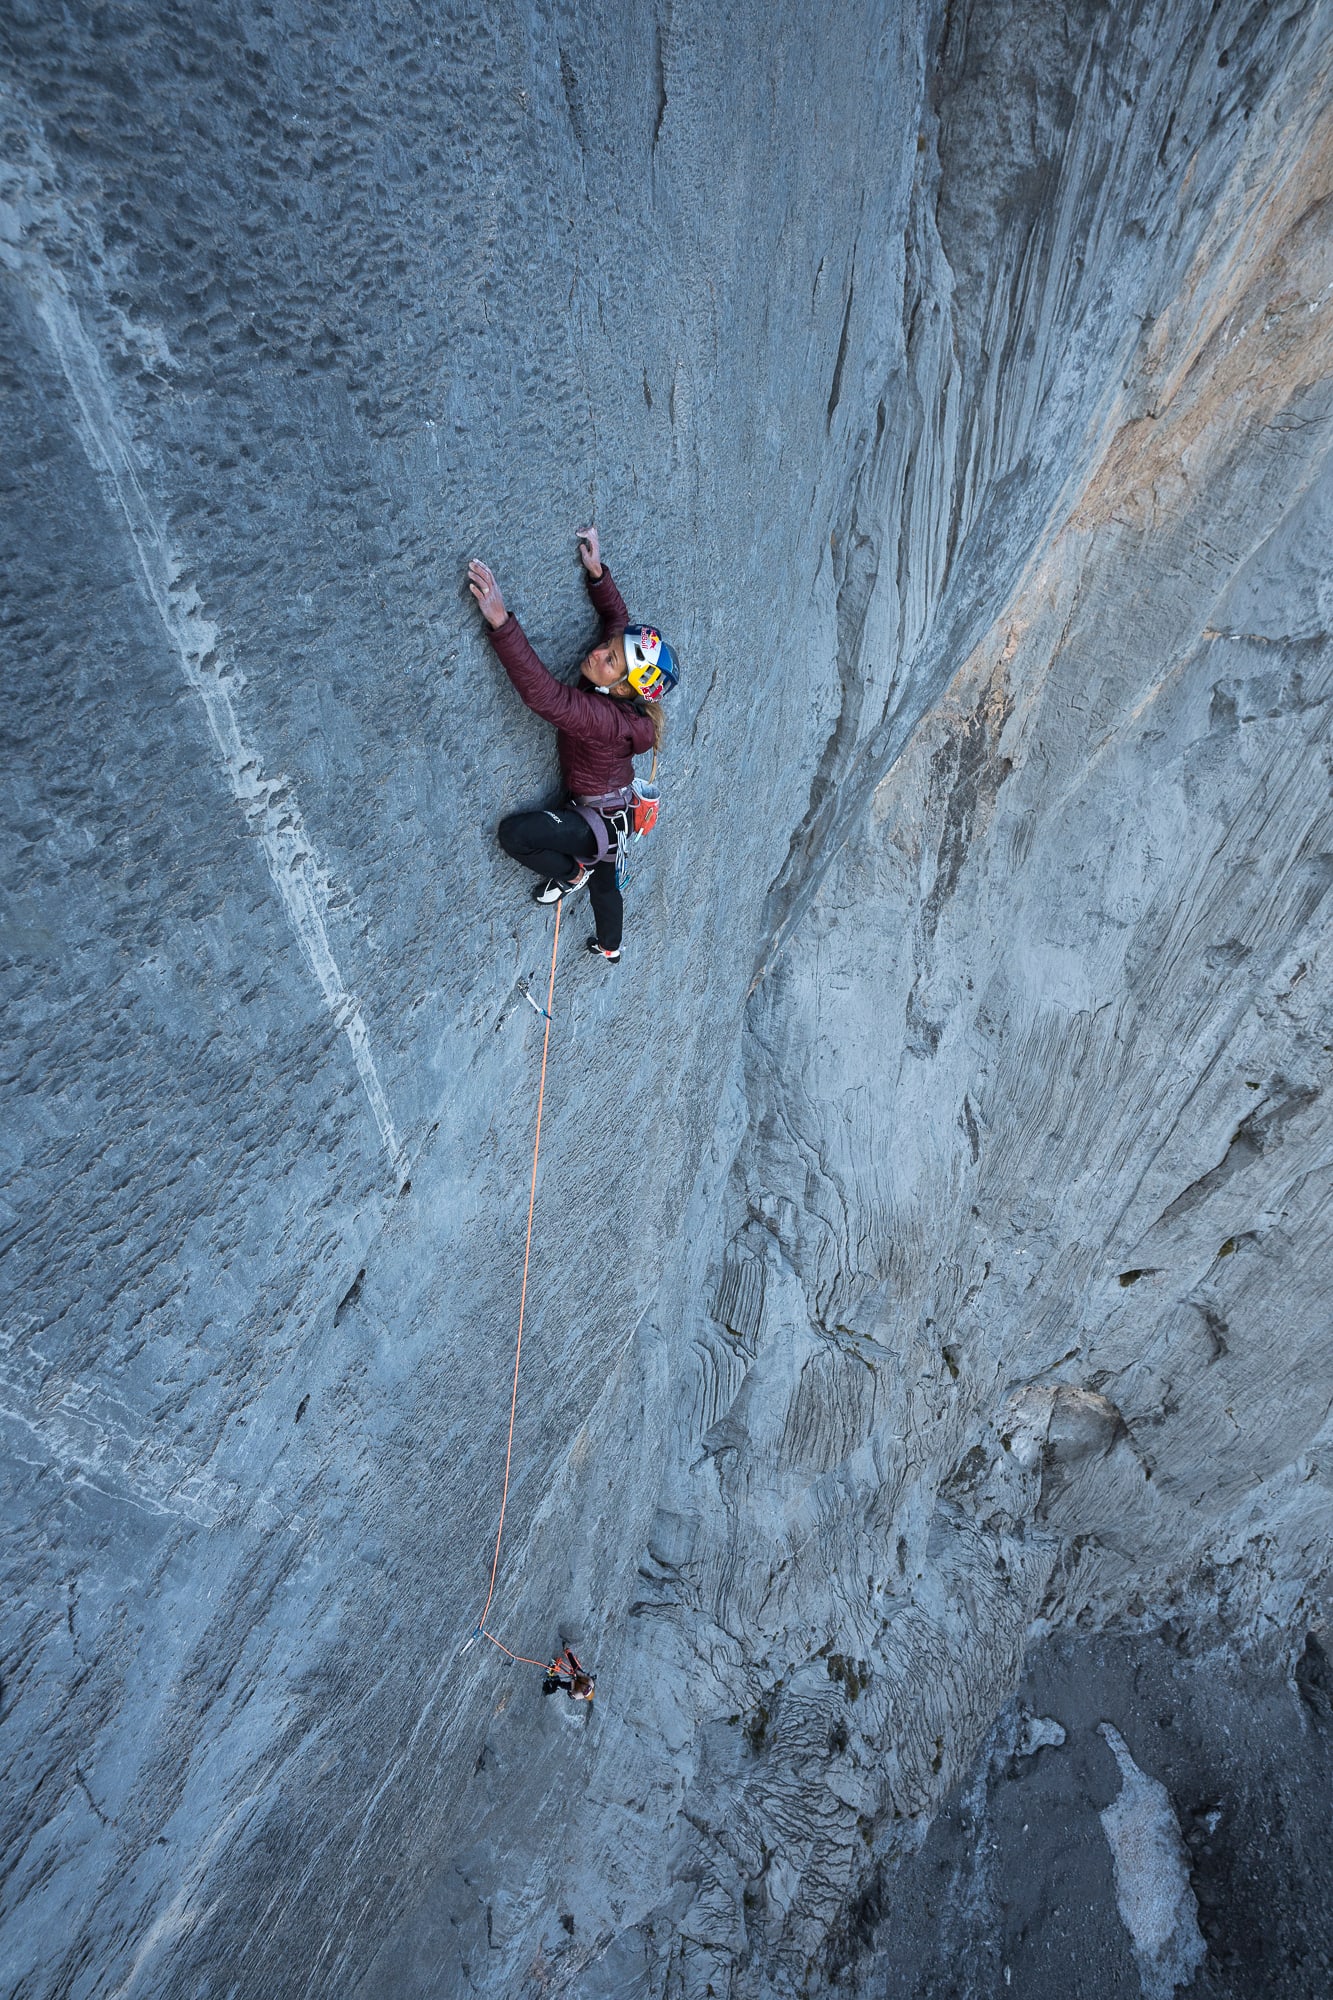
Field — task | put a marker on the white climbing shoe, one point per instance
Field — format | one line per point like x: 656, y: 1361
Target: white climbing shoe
x: 555, y: 892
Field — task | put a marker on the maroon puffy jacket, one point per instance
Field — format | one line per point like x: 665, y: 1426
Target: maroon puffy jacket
x: 598, y: 736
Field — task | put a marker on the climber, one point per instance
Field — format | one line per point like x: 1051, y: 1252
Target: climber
x: 565, y: 1673
x: 611, y: 716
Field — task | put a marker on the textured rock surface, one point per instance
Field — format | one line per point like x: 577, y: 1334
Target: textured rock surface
x: 933, y: 1240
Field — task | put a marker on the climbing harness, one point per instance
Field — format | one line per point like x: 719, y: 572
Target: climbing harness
x: 481, y: 1632
x: 621, y: 816
x: 567, y: 1675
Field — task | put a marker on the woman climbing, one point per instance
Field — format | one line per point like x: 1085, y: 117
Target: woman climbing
x: 611, y: 716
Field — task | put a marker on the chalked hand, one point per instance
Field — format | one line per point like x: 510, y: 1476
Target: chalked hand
x: 487, y: 593
x: 590, y: 552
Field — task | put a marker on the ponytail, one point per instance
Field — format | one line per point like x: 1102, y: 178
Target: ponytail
x: 655, y: 714
x: 652, y: 709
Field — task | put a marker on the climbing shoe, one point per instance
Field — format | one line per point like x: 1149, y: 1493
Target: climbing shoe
x: 600, y: 951
x: 555, y: 892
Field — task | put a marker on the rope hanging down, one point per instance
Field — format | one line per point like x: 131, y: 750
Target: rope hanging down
x: 522, y: 1307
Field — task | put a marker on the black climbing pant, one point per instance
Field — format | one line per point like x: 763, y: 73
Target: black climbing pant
x: 550, y: 843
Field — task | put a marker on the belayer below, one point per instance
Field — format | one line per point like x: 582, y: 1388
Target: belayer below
x: 612, y: 715
x: 565, y: 1674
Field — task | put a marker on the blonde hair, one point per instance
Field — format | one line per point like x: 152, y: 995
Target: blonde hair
x: 657, y: 716
x: 652, y: 709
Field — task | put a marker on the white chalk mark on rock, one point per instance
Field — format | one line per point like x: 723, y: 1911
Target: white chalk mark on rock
x: 1152, y: 1884
x: 267, y: 803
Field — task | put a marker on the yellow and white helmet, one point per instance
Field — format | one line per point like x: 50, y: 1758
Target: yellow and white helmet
x: 650, y: 664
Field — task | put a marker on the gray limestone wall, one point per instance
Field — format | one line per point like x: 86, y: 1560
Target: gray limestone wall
x: 931, y: 1247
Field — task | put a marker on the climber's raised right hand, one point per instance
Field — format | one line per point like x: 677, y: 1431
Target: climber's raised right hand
x: 486, y: 590
x: 590, y: 552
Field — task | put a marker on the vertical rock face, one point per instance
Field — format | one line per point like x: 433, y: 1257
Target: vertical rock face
x: 932, y: 1235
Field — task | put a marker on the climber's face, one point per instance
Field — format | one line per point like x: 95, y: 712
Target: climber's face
x: 605, y: 664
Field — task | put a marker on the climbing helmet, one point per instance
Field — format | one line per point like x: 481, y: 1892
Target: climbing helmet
x: 650, y: 663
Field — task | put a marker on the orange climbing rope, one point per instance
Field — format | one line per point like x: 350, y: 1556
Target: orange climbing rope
x: 522, y: 1307
x: 522, y: 1658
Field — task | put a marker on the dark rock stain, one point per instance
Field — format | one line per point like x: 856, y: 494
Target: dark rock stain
x: 349, y: 1297
x: 835, y: 393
